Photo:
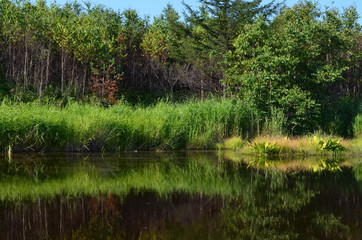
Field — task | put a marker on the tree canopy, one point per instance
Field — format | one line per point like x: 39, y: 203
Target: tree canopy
x: 300, y: 60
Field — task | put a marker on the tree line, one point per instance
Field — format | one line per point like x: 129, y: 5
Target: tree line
x: 302, y: 59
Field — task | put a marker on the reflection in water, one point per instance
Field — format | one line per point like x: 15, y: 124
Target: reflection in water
x: 180, y: 195
x: 138, y: 216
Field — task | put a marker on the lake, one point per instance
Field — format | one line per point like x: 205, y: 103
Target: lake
x: 179, y: 195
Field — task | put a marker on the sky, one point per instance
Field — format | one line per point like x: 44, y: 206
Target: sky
x: 153, y: 8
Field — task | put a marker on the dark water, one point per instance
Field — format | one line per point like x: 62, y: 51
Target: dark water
x: 179, y: 195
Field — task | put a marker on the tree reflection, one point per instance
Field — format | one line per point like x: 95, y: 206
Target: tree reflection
x: 280, y: 209
x: 196, y: 196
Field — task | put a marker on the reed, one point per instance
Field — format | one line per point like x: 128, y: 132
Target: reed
x: 85, y: 127
x: 193, y: 124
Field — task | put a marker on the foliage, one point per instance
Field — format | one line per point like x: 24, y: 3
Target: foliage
x: 297, y: 67
x: 165, y: 36
x: 59, y: 46
x: 357, y: 125
x: 330, y: 144
x: 217, y: 22
x: 338, y: 115
x: 274, y: 64
x: 266, y: 148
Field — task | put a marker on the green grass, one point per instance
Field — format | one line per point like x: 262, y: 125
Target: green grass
x: 265, y: 148
x: 233, y: 143
x: 357, y: 125
x: 210, y: 124
x: 85, y: 127
x: 308, y: 145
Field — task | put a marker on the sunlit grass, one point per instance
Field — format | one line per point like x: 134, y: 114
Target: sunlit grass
x: 84, y: 127
x: 215, y: 123
x: 233, y: 143
x: 314, y: 144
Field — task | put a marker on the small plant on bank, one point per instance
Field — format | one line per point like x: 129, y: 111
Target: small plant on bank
x: 331, y: 145
x: 266, y: 148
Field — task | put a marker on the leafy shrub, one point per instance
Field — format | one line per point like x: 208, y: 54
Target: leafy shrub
x: 331, y: 144
x: 266, y: 148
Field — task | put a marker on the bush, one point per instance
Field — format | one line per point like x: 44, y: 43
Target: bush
x: 332, y: 145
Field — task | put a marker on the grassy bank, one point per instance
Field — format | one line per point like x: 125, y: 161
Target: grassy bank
x: 210, y: 124
x: 313, y: 144
x: 85, y: 127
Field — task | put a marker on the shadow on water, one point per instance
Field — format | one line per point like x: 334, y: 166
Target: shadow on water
x: 179, y: 195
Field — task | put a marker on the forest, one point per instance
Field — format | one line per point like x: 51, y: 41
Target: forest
x: 236, y: 119
x: 241, y: 68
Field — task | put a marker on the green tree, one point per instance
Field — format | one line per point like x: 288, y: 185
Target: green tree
x: 219, y: 21
x: 291, y: 62
x: 130, y: 38
x: 165, y: 37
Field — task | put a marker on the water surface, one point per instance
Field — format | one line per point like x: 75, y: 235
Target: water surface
x: 179, y: 195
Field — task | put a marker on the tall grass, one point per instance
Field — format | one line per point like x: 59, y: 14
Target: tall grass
x: 357, y: 125
x: 274, y: 124
x: 85, y: 127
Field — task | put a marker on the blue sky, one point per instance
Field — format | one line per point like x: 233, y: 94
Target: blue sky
x: 155, y: 7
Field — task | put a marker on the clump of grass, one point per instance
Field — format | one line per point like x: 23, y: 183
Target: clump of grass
x: 309, y: 145
x: 268, y: 145
x: 324, y: 144
x: 266, y: 148
x: 233, y: 143
x: 274, y: 124
x: 357, y: 125
x: 355, y: 145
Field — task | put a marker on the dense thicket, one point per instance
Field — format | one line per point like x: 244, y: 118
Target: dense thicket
x: 77, y: 49
x: 301, y: 61
x: 298, y: 62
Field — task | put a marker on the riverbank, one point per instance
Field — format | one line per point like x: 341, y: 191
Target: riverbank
x: 210, y: 124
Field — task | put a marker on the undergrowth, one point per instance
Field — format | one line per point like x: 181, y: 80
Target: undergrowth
x: 85, y: 127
